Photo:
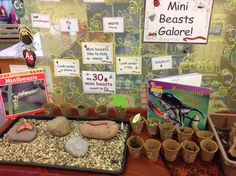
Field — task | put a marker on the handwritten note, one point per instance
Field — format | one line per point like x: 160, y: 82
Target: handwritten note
x: 97, y: 53
x: 113, y: 24
x: 69, y: 25
x: 99, y: 82
x: 177, y: 21
x: 66, y: 67
x: 40, y: 20
x: 129, y: 65
x: 162, y: 63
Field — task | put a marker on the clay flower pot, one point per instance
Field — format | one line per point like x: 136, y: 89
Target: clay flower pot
x: 152, y: 126
x: 152, y: 149
x: 101, y: 110
x: 137, y: 126
x: 204, y: 135
x: 120, y: 113
x: 171, y: 149
x: 208, y: 149
x: 184, y: 133
x: 68, y: 110
x: 166, y: 130
x: 83, y: 110
x: 51, y: 109
x: 135, y: 146
x: 190, y: 150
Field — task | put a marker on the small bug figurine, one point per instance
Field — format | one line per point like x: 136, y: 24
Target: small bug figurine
x: 25, y: 35
x: 30, y: 58
x: 22, y: 127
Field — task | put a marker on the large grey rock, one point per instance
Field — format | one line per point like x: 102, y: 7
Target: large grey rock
x: 59, y: 126
x: 77, y: 147
x: 22, y: 136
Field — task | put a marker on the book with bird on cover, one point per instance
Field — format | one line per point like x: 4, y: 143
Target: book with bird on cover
x: 181, y: 104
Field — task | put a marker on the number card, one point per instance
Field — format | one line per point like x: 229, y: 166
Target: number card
x: 97, y: 53
x: 182, y: 21
x: 129, y: 65
x: 99, y: 82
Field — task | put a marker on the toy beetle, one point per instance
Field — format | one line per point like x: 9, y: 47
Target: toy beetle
x: 25, y: 35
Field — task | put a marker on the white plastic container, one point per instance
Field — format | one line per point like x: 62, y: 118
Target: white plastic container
x: 223, y: 120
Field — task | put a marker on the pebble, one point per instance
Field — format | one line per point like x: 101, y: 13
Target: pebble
x: 59, y: 126
x: 77, y: 147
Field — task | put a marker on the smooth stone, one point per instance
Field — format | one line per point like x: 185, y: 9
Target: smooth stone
x: 77, y: 147
x: 23, y: 136
x: 100, y: 129
x: 59, y: 126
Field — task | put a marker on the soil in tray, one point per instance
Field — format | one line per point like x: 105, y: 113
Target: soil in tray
x: 47, y: 149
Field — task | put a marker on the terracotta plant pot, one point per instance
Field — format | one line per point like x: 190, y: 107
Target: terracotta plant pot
x: 83, y: 110
x: 138, y: 126
x: 166, y: 130
x: 152, y: 126
x: 184, y: 133
x: 68, y: 110
x: 190, y: 150
x: 171, y: 149
x: 101, y: 110
x: 135, y: 146
x: 51, y: 109
x: 204, y: 135
x: 208, y: 149
x: 120, y: 113
x: 152, y: 149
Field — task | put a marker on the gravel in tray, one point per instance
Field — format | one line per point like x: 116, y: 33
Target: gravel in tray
x: 48, y: 149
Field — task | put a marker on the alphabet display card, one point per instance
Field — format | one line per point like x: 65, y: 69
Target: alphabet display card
x: 23, y: 92
x: 177, y: 21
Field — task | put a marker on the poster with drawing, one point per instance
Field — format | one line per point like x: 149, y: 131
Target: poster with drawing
x: 182, y: 21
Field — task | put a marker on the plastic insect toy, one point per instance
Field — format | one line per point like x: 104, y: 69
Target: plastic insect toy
x: 173, y: 110
x: 30, y: 58
x: 26, y: 126
x: 25, y: 35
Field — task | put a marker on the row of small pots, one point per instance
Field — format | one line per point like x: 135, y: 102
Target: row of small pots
x: 171, y: 149
x: 167, y: 130
x: 69, y: 110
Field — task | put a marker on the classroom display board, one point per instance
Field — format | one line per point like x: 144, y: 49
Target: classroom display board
x: 93, y: 49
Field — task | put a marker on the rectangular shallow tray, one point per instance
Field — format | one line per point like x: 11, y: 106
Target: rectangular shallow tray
x: 69, y: 167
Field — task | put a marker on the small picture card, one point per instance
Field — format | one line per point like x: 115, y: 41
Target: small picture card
x: 66, y: 67
x: 97, y: 53
x: 40, y: 20
x: 23, y: 92
x: 99, y: 82
x: 162, y: 63
x: 113, y: 24
x: 129, y: 65
x: 69, y: 25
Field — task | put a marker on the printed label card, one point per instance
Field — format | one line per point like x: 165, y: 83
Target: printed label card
x: 113, y: 24
x: 97, y: 53
x: 94, y: 1
x: 177, y: 21
x: 162, y: 63
x: 99, y: 82
x: 66, y: 67
x: 129, y: 65
x: 40, y: 20
x: 69, y: 25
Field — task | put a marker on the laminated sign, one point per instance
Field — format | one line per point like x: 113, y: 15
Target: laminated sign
x: 182, y: 21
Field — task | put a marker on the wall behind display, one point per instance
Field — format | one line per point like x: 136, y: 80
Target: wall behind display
x: 212, y: 59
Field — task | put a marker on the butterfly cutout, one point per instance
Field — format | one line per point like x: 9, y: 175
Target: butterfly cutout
x: 26, y: 126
